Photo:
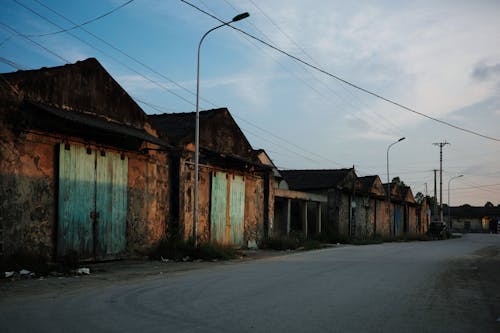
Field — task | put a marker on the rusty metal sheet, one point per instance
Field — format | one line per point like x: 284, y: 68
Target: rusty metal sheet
x: 111, y: 204
x: 218, y: 207
x: 76, y: 201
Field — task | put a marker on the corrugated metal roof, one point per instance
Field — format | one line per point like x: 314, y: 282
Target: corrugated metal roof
x: 99, y: 123
x: 314, y: 179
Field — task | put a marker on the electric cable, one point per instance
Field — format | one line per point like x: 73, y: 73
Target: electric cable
x: 353, y: 85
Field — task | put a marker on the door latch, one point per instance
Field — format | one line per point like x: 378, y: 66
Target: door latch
x: 94, y: 215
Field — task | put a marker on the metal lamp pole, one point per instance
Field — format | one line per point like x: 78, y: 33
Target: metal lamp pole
x: 389, y: 187
x: 197, y: 124
x: 449, y: 210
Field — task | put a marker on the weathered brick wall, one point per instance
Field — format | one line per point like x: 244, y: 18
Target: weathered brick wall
x: 27, y: 196
x: 186, y: 201
x: 412, y: 216
x: 254, y: 209
x: 148, y: 201
x: 383, y: 225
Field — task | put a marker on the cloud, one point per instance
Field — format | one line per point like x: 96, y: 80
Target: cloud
x: 485, y: 72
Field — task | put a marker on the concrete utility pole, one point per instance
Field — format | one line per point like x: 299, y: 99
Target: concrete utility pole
x: 441, y: 145
x: 434, y: 206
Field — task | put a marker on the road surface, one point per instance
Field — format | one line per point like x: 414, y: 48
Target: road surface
x: 439, y: 286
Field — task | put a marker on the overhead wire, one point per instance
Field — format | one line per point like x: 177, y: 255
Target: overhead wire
x: 101, y: 51
x: 143, y: 64
x: 353, y: 85
x: 84, y: 23
x: 146, y: 78
x: 343, y: 101
x: 354, y: 98
x: 15, y: 32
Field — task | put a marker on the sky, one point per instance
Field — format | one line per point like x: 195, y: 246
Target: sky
x: 439, y: 58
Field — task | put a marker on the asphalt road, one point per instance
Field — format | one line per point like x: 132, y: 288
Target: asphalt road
x: 440, y: 286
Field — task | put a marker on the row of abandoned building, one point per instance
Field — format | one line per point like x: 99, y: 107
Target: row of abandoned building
x: 83, y: 168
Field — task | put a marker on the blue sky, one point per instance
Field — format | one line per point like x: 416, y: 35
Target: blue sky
x: 441, y: 58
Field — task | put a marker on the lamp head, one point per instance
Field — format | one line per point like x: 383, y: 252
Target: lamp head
x: 401, y: 139
x: 240, y: 16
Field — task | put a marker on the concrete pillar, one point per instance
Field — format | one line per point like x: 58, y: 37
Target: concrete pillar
x: 304, y: 218
x: 288, y: 214
x: 318, y: 219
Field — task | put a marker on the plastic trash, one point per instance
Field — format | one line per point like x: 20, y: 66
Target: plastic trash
x: 83, y: 271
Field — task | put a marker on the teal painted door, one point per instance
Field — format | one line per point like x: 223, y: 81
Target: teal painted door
x: 76, y: 201
x: 218, y: 207
x: 236, y: 210
x: 111, y: 204
x: 227, y: 208
x: 92, y: 202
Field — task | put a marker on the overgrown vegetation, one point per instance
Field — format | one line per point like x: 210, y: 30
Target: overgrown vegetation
x: 293, y: 241
x: 280, y: 243
x: 184, y: 250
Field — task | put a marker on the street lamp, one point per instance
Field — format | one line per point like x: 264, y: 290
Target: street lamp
x: 449, y: 210
x: 197, y: 124
x: 389, y: 187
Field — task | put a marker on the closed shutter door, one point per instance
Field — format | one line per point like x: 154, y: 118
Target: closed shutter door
x: 218, y: 206
x: 92, y: 203
x: 76, y: 201
x: 111, y: 204
x: 237, y: 210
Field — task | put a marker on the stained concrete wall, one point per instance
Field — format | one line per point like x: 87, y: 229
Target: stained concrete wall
x: 338, y: 211
x: 254, y: 202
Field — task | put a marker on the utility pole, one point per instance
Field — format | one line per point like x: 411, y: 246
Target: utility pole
x: 434, y: 206
x: 441, y: 145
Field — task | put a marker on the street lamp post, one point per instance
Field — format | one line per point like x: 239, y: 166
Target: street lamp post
x: 449, y: 210
x: 389, y: 187
x: 197, y: 124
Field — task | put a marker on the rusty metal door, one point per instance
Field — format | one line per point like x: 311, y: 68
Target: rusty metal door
x: 218, y: 207
x: 92, y: 202
x: 76, y: 201
x: 236, y: 210
x: 111, y: 204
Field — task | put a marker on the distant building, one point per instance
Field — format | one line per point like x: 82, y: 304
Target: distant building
x: 475, y: 219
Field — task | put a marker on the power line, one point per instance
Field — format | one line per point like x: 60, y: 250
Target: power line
x: 159, y: 109
x: 344, y: 101
x: 12, y: 64
x: 15, y: 32
x: 131, y: 58
x: 97, y: 49
x: 81, y: 24
x: 336, y: 77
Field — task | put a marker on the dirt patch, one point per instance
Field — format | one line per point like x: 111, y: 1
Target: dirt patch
x: 467, y: 294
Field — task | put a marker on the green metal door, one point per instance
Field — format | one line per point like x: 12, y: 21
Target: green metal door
x: 76, y: 201
x: 227, y: 208
x: 92, y: 202
x: 236, y: 209
x: 218, y: 207
x: 111, y: 204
